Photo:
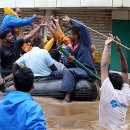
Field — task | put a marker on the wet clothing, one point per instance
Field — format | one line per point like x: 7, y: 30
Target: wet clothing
x: 69, y: 78
x: 10, y: 22
x: 82, y: 52
x: 38, y: 60
x: 19, y: 111
x: 9, y: 55
x: 113, y: 106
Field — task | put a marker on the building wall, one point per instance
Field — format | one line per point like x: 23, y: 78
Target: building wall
x: 121, y: 28
x: 63, y: 3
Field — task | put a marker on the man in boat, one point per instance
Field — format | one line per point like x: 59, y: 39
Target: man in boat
x: 38, y: 60
x: 25, y: 31
x: 18, y: 110
x: 80, y: 48
x: 55, y: 54
x: 115, y: 91
x: 12, y: 19
x: 10, y: 51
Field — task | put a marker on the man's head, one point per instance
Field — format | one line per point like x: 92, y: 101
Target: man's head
x: 116, y: 80
x: 7, y: 36
x: 23, y: 80
x: 18, y: 11
x: 73, y: 34
x: 37, y: 41
x: 25, y: 32
x: 49, y: 35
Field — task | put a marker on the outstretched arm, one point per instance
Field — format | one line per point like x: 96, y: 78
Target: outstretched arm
x: 34, y: 32
x: 18, y: 22
x: 124, y: 66
x: 82, y: 30
x: 104, y: 59
x: 57, y: 32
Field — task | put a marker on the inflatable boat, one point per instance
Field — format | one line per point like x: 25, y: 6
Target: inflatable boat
x: 86, y: 90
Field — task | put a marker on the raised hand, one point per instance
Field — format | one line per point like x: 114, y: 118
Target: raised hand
x: 66, y: 18
x: 109, y: 39
x: 35, y: 16
x: 119, y: 47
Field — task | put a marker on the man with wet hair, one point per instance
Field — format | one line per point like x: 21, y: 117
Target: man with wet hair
x: 115, y: 92
x: 18, y: 110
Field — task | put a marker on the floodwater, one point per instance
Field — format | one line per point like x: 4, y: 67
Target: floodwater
x: 72, y: 116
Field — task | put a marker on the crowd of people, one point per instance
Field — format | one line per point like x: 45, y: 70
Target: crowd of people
x: 24, y: 58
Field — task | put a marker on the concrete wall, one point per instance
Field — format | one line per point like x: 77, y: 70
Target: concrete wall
x: 63, y: 3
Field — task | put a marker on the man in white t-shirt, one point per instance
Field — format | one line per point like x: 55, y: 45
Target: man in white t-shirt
x: 38, y: 60
x: 115, y: 92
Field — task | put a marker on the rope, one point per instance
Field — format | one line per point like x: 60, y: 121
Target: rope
x: 100, y: 34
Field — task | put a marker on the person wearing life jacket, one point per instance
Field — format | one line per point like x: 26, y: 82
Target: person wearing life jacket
x: 11, y: 20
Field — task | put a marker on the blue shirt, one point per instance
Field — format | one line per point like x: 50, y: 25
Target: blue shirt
x: 10, y: 22
x: 38, y: 60
x: 18, y: 111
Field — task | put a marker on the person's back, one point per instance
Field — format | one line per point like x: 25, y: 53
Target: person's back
x: 115, y: 92
x: 38, y: 60
x: 113, y: 105
x: 18, y: 110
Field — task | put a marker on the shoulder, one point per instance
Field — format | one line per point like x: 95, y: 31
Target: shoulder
x: 19, y: 40
x: 31, y: 105
x: 9, y: 17
x: 126, y: 88
x: 106, y: 84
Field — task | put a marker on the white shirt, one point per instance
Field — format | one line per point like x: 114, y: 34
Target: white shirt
x: 38, y: 60
x: 113, y: 106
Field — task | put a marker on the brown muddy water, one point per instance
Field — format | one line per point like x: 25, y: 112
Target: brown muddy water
x: 72, y: 116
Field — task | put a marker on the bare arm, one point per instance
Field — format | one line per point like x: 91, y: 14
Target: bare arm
x: 14, y: 68
x: 34, y: 32
x: 124, y: 66
x: 31, y: 34
x: 57, y: 32
x: 104, y: 59
x: 9, y: 77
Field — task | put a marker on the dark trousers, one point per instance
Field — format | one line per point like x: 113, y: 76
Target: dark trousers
x: 69, y: 78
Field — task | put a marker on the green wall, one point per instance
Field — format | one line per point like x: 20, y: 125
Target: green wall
x: 120, y: 28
